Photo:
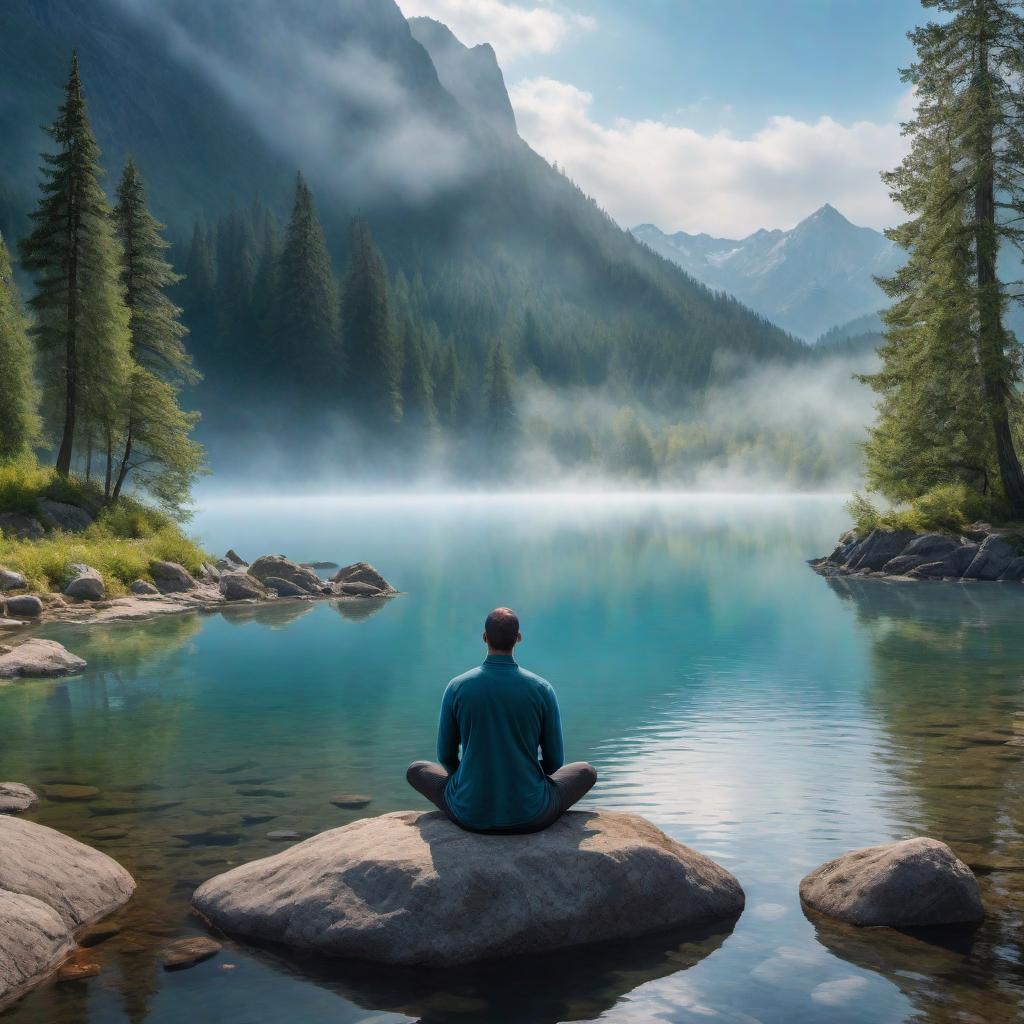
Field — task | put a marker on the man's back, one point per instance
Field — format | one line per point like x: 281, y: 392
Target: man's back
x: 500, y: 713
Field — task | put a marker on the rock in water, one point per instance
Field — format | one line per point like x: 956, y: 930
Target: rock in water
x: 86, y: 584
x: 14, y: 798
x: 363, y: 572
x: 171, y: 578
x: 50, y: 886
x: 37, y: 658
x: 278, y: 567
x: 240, y: 586
x: 188, y: 952
x: 915, y: 883
x: 412, y: 888
x: 285, y: 588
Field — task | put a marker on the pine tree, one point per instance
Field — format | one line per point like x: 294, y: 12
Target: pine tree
x: 932, y: 428
x: 197, y: 292
x: 418, y: 411
x: 236, y: 272
x: 19, y: 421
x: 450, y: 389
x: 970, y: 113
x: 265, y: 288
x: 308, y: 329
x: 81, y: 323
x: 371, y: 342
x: 499, y: 408
x: 154, y: 432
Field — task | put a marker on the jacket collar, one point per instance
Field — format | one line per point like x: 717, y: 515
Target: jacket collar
x: 499, y: 659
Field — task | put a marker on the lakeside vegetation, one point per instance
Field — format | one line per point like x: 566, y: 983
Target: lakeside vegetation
x: 945, y: 446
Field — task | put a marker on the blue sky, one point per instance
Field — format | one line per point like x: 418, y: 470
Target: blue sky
x: 714, y: 115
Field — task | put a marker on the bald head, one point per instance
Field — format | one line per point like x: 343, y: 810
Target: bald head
x: 501, y: 630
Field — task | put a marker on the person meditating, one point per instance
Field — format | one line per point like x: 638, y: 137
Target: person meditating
x: 501, y: 714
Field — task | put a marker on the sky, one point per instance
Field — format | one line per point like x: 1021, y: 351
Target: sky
x: 721, y: 116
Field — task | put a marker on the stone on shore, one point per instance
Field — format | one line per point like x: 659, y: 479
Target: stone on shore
x: 50, y: 886
x: 41, y: 659
x: 357, y: 590
x: 15, y: 798
x: 363, y: 572
x: 992, y: 560
x: 59, y: 515
x: 143, y: 587
x: 877, y: 548
x: 278, y: 567
x: 915, y: 883
x: 412, y: 888
x: 171, y: 578
x: 21, y: 526
x: 26, y: 606
x: 86, y: 584
x: 284, y: 588
x: 188, y: 952
x: 11, y: 580
x: 240, y: 586
x: 235, y: 558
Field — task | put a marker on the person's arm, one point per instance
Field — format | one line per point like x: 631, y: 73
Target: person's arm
x: 551, y: 754
x: 448, y: 733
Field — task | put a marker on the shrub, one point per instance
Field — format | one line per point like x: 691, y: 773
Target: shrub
x: 948, y: 508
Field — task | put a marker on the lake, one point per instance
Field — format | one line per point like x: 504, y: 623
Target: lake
x: 753, y: 710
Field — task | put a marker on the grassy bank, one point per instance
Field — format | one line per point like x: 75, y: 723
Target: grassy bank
x: 949, y: 508
x: 124, y: 539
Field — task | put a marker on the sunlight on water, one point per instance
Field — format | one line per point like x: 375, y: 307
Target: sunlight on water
x: 748, y: 707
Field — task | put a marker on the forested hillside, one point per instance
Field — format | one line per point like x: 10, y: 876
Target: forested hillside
x: 371, y: 244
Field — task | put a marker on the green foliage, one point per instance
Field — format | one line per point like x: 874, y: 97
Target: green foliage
x: 19, y: 421
x: 499, y: 416
x: 632, y: 450
x: 81, y: 323
x: 950, y: 368
x: 307, y: 338
x: 125, y: 538
x: 947, y: 508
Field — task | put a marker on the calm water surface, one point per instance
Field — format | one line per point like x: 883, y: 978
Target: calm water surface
x: 746, y: 706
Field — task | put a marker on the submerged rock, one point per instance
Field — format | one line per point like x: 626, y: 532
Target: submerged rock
x: 25, y: 605
x: 70, y: 792
x: 350, y: 800
x: 278, y: 567
x: 189, y: 952
x: 412, y: 888
x: 171, y: 578
x: 86, y: 584
x: 363, y: 572
x: 240, y: 586
x: 37, y: 658
x: 50, y: 886
x: 914, y: 883
x: 15, y: 798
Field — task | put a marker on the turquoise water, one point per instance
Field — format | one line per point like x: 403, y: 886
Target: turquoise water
x: 748, y: 707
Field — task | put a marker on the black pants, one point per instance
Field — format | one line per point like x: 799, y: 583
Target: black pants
x: 572, y: 783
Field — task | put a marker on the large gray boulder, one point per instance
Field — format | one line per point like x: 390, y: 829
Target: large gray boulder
x: 21, y: 526
x: 171, y: 578
x: 50, y: 886
x: 240, y: 586
x: 278, y: 567
x: 914, y: 883
x: 877, y: 548
x: 59, y: 515
x: 1014, y: 572
x: 412, y: 888
x: 11, y: 580
x: 86, y: 584
x: 363, y: 573
x: 285, y: 588
x: 952, y: 565
x: 992, y: 560
x: 24, y: 606
x: 40, y: 659
x: 16, y: 797
x: 932, y: 546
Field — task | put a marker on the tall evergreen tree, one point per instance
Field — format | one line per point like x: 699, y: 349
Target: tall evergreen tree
x: 81, y: 323
x: 970, y: 113
x: 371, y: 341
x: 932, y: 428
x: 154, y: 433
x: 308, y: 327
x: 236, y: 258
x: 499, y: 406
x: 265, y: 287
x: 450, y: 389
x: 418, y: 411
x: 19, y: 422
x: 197, y: 292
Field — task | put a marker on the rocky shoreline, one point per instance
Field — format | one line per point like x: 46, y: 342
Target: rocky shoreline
x: 981, y: 553
x: 231, y: 581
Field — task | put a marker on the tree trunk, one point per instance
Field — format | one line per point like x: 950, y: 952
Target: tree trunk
x: 110, y: 464
x: 88, y: 458
x: 995, y: 367
x: 123, y: 469
x: 67, y: 440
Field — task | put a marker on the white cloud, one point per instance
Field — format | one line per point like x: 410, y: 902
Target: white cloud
x: 514, y: 30
x: 681, y: 179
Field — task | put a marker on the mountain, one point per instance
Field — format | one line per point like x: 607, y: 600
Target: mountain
x: 806, y: 280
